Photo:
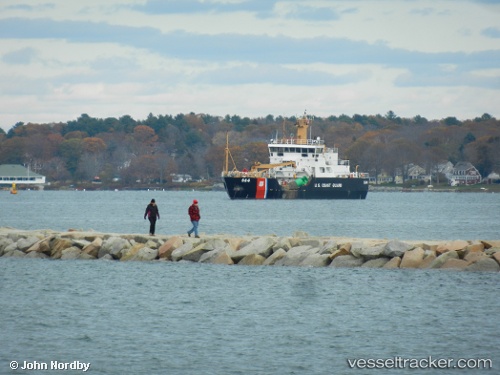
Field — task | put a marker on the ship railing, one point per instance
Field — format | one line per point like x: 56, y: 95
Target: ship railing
x: 330, y: 150
x: 295, y: 141
x: 241, y: 174
x: 357, y: 175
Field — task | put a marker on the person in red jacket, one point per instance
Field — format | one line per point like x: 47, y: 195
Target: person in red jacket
x: 194, y: 215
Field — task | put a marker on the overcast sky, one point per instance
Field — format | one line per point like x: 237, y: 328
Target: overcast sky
x: 62, y: 58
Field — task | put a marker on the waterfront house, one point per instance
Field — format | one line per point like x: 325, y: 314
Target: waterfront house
x: 19, y: 175
x: 464, y: 173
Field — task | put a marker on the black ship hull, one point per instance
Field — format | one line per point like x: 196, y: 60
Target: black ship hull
x: 316, y: 188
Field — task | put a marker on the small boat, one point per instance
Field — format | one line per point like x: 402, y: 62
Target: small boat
x: 13, y: 189
x: 299, y: 168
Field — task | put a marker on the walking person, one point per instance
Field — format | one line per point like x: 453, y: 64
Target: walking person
x: 152, y: 213
x: 194, y: 215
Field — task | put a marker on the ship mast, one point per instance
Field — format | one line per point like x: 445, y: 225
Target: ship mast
x: 226, y: 153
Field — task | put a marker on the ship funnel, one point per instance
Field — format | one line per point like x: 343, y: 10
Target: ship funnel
x: 302, y: 126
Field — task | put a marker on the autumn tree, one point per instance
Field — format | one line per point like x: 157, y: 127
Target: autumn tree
x: 144, y: 140
x: 92, y: 159
x: 71, y: 151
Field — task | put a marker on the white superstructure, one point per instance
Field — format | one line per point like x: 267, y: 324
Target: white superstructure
x: 311, y: 156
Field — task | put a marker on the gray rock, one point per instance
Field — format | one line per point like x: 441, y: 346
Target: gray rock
x: 440, y: 260
x: 178, y: 253
x: 145, y: 254
x: 329, y: 247
x: 209, y: 256
x: 14, y: 254
x: 86, y: 256
x: 195, y: 254
x: 346, y: 261
x: 15, y: 236
x: 376, y: 263
x: 107, y: 257
x: 316, y: 260
x: 213, y: 256
x: 261, y: 246
x: 296, y: 255
x: 486, y: 264
x: 252, y: 260
x: 282, y: 243
x: 36, y: 255
x: 297, y: 250
x: 11, y: 247
x: 4, y: 242
x: 492, y: 251
x: 224, y: 258
x: 313, y: 242
x: 152, y: 243
x: 274, y: 257
x: 214, y: 244
x: 114, y: 246
x: 368, y: 252
x: 24, y: 244
x: 396, y: 248
x: 393, y: 263
x: 71, y: 253
x: 93, y: 247
x: 356, y: 247
x: 81, y: 243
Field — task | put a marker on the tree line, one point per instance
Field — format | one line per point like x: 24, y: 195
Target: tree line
x: 153, y: 149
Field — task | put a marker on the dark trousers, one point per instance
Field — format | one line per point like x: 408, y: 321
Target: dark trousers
x: 152, y: 225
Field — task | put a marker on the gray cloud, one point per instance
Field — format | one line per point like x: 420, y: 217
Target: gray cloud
x: 29, y: 7
x: 492, y: 32
x: 226, y: 47
x: 313, y: 13
x: 22, y: 56
x: 261, y: 9
x: 277, y: 74
x: 194, y: 6
x: 257, y: 49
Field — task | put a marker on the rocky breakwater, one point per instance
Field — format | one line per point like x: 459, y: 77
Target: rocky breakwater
x: 298, y: 250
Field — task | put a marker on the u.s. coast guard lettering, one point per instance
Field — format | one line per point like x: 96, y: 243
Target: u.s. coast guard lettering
x: 52, y: 365
x: 328, y: 185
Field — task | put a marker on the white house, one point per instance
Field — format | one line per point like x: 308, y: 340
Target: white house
x: 464, y: 173
x: 17, y: 174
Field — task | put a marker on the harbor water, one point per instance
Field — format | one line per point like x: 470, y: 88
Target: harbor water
x: 189, y: 318
x: 410, y: 216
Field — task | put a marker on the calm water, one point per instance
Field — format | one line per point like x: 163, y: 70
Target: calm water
x: 430, y: 216
x: 146, y: 318
x: 411, y: 216
x: 164, y: 318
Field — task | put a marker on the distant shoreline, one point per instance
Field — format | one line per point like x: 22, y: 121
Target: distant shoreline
x: 495, y: 188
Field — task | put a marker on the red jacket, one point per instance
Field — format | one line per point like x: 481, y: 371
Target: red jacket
x: 194, y: 212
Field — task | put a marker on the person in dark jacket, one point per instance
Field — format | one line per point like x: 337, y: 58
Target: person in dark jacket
x: 152, y: 213
x: 194, y: 216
